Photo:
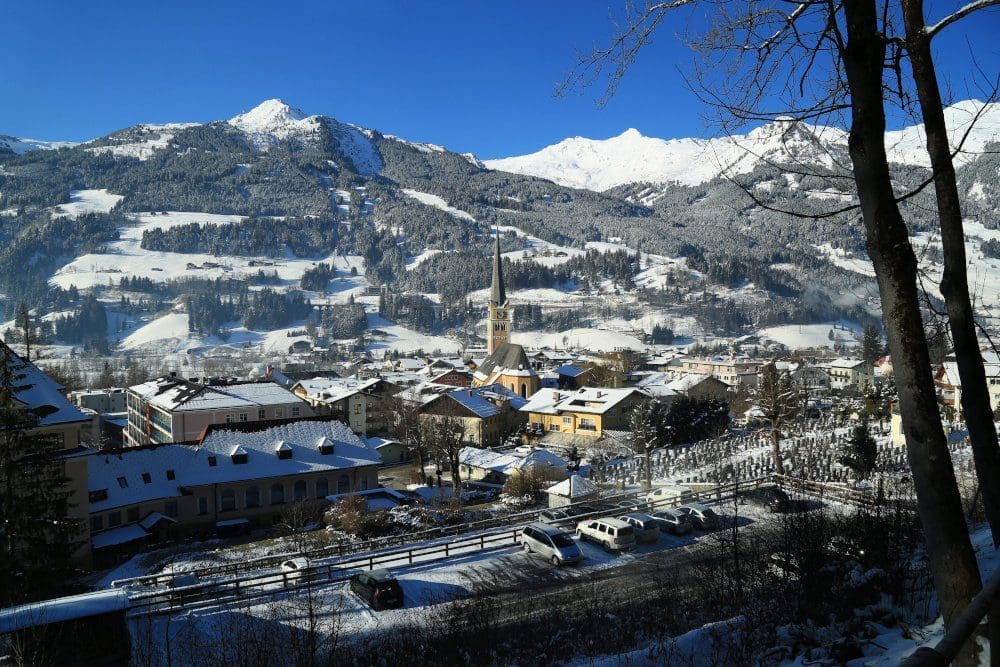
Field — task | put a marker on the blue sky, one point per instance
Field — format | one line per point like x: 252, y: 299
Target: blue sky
x: 474, y: 76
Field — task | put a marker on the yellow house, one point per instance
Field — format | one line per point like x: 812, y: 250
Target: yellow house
x: 588, y: 411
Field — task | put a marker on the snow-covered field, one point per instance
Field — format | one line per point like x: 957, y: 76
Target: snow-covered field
x: 82, y: 202
x: 800, y: 336
x: 125, y: 257
x: 597, y: 340
x: 437, y: 202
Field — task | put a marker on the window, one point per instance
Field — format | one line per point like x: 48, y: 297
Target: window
x: 114, y: 519
x: 227, y: 500
x: 279, y: 413
x: 553, y: 427
x: 147, y: 478
x: 230, y: 419
x: 98, y: 495
x: 567, y: 420
x: 122, y: 482
x: 300, y: 490
x: 202, y: 505
x: 170, y: 508
x: 322, y: 487
x: 296, y: 411
x: 211, y: 461
x: 253, y: 497
x: 343, y: 484
x: 277, y: 494
x: 96, y: 523
x: 262, y: 414
x: 171, y: 475
x: 132, y: 515
x: 357, y: 408
x: 244, y: 417
x: 587, y: 425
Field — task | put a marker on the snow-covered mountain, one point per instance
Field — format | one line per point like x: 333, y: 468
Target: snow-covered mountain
x: 630, y: 157
x: 21, y: 146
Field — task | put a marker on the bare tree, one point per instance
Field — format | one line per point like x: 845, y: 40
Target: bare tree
x: 645, y: 427
x: 955, y: 281
x: 816, y: 59
x: 779, y: 400
x: 444, y: 437
x: 407, y: 428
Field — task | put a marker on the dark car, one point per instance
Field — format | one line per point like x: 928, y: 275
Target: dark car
x: 771, y: 497
x: 701, y: 516
x: 378, y: 588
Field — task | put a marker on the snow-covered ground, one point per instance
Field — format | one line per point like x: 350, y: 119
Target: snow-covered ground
x: 160, y: 138
x: 82, y: 202
x: 438, y: 203
x: 400, y: 338
x: 800, y: 336
x: 125, y: 257
x: 595, y: 339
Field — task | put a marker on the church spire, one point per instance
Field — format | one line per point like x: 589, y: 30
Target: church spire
x: 499, y: 294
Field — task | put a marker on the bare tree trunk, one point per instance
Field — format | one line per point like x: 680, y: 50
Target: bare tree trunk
x: 949, y: 550
x: 955, y: 282
x: 776, y: 451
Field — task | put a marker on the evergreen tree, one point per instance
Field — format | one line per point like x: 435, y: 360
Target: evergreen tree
x: 861, y: 453
x: 36, y: 537
x: 871, y: 344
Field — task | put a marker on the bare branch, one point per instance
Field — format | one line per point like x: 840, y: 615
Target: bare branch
x: 933, y: 30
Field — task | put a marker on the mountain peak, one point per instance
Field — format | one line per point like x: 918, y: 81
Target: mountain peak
x: 631, y: 133
x: 267, y: 115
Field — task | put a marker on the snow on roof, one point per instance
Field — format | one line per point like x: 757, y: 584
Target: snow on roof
x: 540, y: 458
x: 121, y: 475
x: 63, y: 609
x: 571, y: 371
x: 154, y: 518
x: 845, y: 363
x: 332, y: 390
x: 301, y: 437
x: 176, y: 394
x: 486, y: 459
x: 40, y: 394
x: 508, y: 359
x: 573, y: 486
x: 377, y: 443
x: 474, y: 402
x: 591, y: 400
x: 116, y: 536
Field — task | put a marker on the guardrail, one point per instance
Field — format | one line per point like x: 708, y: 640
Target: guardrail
x: 347, y: 548
x: 167, y: 600
x: 825, y: 490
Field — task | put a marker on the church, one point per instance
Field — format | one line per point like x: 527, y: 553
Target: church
x: 506, y: 363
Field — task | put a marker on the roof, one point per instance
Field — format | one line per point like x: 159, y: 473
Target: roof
x: 845, y: 363
x: 571, y: 371
x: 333, y: 390
x: 177, y: 394
x: 120, y: 472
x: 40, y: 394
x: 508, y: 359
x: 506, y: 462
x: 63, y: 609
x: 116, y: 536
x: 573, y: 486
x: 474, y: 402
x: 591, y: 400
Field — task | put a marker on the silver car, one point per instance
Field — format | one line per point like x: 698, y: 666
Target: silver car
x: 647, y: 531
x: 557, y: 546
x: 673, y: 521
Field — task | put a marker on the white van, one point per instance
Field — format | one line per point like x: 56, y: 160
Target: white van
x: 612, y: 534
x: 667, y: 495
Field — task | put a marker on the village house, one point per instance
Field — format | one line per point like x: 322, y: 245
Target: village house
x: 588, y: 411
x: 238, y: 475
x: 949, y: 383
x: 735, y: 371
x: 172, y: 409
x: 484, y: 465
x: 364, y: 405
x: 847, y: 373
x: 487, y: 414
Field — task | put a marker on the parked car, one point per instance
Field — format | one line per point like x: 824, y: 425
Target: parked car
x: 295, y: 568
x: 701, y: 516
x: 378, y: 588
x: 612, y: 534
x: 582, y: 511
x: 647, y: 530
x: 671, y: 493
x: 770, y: 497
x: 555, y: 516
x: 556, y: 545
x: 673, y: 521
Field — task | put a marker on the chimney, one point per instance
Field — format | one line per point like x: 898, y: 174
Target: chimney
x: 555, y: 396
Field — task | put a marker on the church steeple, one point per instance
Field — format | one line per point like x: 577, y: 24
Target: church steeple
x: 498, y: 331
x: 499, y: 294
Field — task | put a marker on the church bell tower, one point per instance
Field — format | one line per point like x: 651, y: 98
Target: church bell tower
x: 498, y: 332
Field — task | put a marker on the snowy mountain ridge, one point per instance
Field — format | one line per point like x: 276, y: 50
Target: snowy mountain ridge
x: 631, y: 157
